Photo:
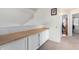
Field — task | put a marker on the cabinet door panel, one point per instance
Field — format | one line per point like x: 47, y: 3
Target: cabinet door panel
x: 44, y: 36
x: 15, y: 45
x: 33, y: 42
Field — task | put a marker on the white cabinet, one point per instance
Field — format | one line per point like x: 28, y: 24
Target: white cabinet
x: 33, y: 42
x: 44, y: 36
x: 15, y: 45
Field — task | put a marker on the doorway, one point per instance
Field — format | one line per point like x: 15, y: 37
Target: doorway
x: 75, y: 23
x: 64, y: 25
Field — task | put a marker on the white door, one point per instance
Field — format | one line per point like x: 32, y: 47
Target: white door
x: 33, y: 42
x: 44, y: 36
x: 15, y: 45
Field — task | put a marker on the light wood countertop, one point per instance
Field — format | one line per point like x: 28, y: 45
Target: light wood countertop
x: 18, y: 35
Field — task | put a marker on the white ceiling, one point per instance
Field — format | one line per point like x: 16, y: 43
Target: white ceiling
x: 67, y: 10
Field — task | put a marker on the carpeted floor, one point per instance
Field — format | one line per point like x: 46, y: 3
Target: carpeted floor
x: 67, y: 43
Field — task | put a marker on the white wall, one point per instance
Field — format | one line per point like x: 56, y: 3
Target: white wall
x: 40, y: 17
x: 55, y: 29
x: 14, y: 17
x: 69, y: 24
x: 43, y: 17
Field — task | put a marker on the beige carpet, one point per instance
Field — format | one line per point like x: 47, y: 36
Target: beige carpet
x: 67, y: 43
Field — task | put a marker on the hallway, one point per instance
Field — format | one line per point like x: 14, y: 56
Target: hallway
x: 67, y: 43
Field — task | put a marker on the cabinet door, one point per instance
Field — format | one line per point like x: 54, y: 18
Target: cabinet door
x: 15, y: 45
x: 33, y: 42
x: 44, y: 36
